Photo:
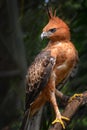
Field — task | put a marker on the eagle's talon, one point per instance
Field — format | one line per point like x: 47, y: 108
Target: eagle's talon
x: 65, y: 118
x: 60, y: 121
x: 74, y: 96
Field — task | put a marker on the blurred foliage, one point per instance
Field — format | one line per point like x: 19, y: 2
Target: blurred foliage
x: 33, y: 17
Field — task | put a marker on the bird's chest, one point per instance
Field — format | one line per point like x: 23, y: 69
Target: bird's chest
x: 63, y: 68
x: 65, y: 60
x: 61, y: 72
x: 63, y: 65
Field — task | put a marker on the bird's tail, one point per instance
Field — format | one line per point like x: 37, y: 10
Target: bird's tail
x: 25, y: 120
x: 30, y: 116
x: 31, y: 122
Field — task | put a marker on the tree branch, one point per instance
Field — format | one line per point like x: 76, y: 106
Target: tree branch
x: 70, y: 110
x: 10, y: 73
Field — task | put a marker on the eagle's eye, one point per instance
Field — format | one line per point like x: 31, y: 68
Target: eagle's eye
x: 52, y: 30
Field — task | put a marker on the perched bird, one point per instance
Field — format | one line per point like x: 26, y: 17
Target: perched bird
x: 51, y: 67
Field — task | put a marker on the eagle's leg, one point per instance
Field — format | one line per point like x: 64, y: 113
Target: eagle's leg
x: 37, y: 104
x: 59, y: 117
x: 60, y: 95
x: 74, y: 96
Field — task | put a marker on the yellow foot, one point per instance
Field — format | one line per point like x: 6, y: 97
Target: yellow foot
x: 74, y: 96
x: 60, y: 121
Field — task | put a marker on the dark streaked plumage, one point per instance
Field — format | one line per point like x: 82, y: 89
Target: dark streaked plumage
x: 38, y: 75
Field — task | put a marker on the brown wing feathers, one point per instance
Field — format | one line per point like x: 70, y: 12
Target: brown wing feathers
x: 38, y: 75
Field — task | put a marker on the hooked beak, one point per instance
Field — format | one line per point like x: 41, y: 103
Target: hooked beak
x: 43, y: 34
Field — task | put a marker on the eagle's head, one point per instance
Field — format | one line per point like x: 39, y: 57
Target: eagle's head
x: 56, y: 29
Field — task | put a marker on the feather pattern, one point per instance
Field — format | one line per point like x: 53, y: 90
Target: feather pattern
x: 38, y: 75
